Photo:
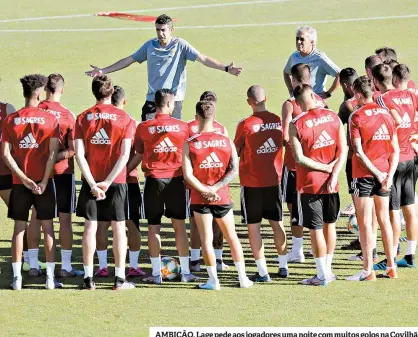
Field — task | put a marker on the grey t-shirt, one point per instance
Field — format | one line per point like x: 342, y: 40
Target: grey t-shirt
x: 320, y: 64
x: 166, y: 65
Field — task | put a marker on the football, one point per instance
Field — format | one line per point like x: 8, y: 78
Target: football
x: 170, y: 268
x: 352, y: 225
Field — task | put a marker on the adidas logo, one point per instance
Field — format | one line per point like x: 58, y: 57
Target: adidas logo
x: 323, y: 140
x: 211, y: 161
x: 165, y: 146
x: 406, y: 122
x: 268, y: 147
x: 29, y: 142
x: 100, y: 137
x: 382, y: 133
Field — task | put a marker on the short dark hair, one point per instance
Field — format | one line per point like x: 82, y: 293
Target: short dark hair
x: 391, y: 63
x: 299, y: 72
x: 372, y: 61
x: 55, y: 82
x: 402, y: 72
x: 209, y: 96
x: 162, y: 96
x: 386, y: 53
x: 164, y: 19
x: 382, y: 73
x: 205, y: 109
x: 300, y: 90
x: 364, y: 86
x: 118, y: 95
x: 32, y: 83
x: 102, y: 87
x: 348, y: 75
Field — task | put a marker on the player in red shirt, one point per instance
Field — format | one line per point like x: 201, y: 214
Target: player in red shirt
x: 259, y: 144
x: 376, y: 153
x: 301, y: 74
x: 210, y: 163
x: 103, y: 138
x: 218, y: 238
x: 29, y: 148
x: 370, y: 63
x: 402, y: 106
x: 134, y: 212
x: 400, y: 79
x: 319, y: 144
x: 159, y: 145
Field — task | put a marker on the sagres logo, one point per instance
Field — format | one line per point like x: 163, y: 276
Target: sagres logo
x: 323, y: 140
x: 29, y: 142
x: 268, y: 147
x: 211, y: 161
x: 166, y: 145
x: 101, y: 137
x: 382, y: 133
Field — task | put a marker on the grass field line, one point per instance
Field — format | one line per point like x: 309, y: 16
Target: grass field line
x: 227, y: 4
x: 241, y: 25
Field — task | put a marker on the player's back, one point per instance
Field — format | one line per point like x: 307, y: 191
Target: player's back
x: 29, y: 131
x: 161, y: 141
x: 259, y: 142
x: 375, y: 126
x: 193, y: 126
x: 103, y: 128
x: 210, y: 154
x: 318, y: 133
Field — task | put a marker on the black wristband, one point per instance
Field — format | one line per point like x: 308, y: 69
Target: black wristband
x: 227, y: 69
x: 328, y: 94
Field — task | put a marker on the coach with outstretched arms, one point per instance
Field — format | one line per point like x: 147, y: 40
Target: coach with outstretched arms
x: 167, y: 57
x: 321, y: 65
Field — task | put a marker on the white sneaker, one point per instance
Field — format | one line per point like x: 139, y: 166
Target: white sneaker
x: 50, y: 284
x: 332, y: 278
x: 355, y: 277
x: 246, y: 283
x: 17, y: 283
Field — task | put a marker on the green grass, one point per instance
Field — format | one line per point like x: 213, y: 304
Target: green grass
x: 263, y: 52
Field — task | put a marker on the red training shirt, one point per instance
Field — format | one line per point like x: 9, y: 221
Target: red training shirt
x: 4, y: 169
x: 193, y: 126
x: 132, y: 177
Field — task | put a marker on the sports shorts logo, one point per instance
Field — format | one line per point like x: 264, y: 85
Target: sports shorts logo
x: 268, y: 147
x: 211, y: 161
x: 382, y: 133
x: 151, y: 130
x: 166, y: 145
x: 101, y: 137
x: 323, y: 140
x: 29, y: 142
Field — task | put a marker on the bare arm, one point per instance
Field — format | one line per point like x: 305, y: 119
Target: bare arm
x: 52, y: 159
x: 365, y: 161
x: 232, y: 172
x: 300, y: 158
x: 82, y: 162
x: 341, y: 156
x: 121, y: 64
x: 67, y: 153
x: 287, y: 111
x: 122, y: 161
x: 334, y: 85
x: 188, y: 172
x: 394, y: 158
x: 212, y: 63
x: 288, y: 81
x: 134, y: 162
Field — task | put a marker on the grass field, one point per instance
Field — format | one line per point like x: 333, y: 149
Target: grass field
x: 30, y: 46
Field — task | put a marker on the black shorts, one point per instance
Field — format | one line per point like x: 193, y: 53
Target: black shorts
x: 402, y: 192
x: 416, y: 168
x: 65, y: 189
x: 319, y: 209
x: 290, y: 195
x: 367, y: 187
x: 149, y: 110
x: 261, y: 202
x: 112, y: 208
x: 217, y: 211
x: 135, y: 206
x: 349, y: 175
x: 6, y: 182
x: 22, y: 199
x: 165, y: 197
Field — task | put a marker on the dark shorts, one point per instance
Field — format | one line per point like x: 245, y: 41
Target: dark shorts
x: 319, y: 209
x: 290, y: 195
x: 402, y: 192
x: 261, y: 202
x: 6, y: 182
x: 165, y: 197
x: 349, y: 175
x: 217, y: 211
x: 367, y: 187
x: 135, y: 206
x: 112, y: 208
x: 416, y: 168
x: 22, y: 199
x: 65, y: 189
x: 149, y: 110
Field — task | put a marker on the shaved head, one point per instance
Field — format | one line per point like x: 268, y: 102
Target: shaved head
x: 256, y: 94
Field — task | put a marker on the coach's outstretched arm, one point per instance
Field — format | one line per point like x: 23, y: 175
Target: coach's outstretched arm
x: 341, y: 157
x: 212, y: 63
x: 121, y: 64
x: 301, y: 159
